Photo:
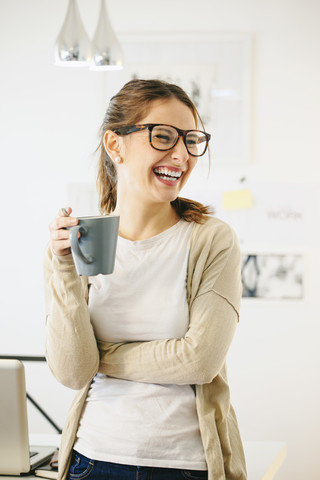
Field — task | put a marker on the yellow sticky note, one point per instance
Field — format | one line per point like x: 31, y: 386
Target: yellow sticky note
x: 237, y: 199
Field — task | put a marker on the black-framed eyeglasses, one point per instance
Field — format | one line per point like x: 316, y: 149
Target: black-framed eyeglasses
x: 164, y: 137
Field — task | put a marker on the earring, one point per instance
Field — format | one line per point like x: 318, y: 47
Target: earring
x: 117, y: 160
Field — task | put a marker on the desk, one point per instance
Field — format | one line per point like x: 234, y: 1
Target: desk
x: 263, y: 458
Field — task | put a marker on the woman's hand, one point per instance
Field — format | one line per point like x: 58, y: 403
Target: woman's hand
x: 59, y: 235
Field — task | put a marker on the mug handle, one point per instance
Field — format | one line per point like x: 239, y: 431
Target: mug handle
x: 75, y: 243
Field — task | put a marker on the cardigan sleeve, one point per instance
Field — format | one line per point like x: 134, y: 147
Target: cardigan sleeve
x: 195, y: 359
x: 199, y: 356
x: 71, y: 348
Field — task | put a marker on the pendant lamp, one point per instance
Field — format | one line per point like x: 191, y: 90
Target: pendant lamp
x: 106, y: 52
x: 72, y: 47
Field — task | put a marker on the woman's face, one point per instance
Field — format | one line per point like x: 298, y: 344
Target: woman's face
x: 139, y: 174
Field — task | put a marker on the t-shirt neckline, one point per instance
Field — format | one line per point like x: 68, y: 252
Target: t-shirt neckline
x: 156, y: 238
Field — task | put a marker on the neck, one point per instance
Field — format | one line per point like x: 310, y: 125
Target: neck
x: 139, y: 222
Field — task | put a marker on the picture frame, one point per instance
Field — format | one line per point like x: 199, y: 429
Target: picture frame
x: 273, y: 276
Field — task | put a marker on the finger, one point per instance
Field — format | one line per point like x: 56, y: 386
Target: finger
x: 65, y: 211
x: 61, y: 253
x: 59, y: 234
x: 63, y: 222
x: 60, y: 246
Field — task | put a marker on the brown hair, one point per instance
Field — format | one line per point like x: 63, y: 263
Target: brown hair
x: 127, y: 107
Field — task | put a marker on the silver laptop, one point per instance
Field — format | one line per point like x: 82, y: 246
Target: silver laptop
x: 16, y: 456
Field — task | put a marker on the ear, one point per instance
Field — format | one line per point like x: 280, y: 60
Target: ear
x: 111, y: 143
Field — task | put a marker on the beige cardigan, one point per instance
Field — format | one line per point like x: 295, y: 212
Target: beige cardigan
x: 214, y: 293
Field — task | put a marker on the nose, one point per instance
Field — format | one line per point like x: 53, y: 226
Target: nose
x: 179, y: 152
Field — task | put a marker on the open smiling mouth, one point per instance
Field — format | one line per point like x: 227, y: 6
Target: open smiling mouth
x: 169, y: 175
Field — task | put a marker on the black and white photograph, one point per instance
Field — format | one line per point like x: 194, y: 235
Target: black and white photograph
x: 272, y: 276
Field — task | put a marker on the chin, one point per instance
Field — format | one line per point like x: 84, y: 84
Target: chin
x: 169, y: 198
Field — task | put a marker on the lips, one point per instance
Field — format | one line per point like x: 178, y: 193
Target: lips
x: 167, y: 174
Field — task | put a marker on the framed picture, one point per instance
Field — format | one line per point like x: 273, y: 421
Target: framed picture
x: 215, y: 70
x: 272, y: 276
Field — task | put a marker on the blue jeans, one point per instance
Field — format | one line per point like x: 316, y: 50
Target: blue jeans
x: 86, y: 469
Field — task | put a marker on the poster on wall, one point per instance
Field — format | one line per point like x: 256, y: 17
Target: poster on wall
x: 215, y: 70
x: 272, y: 276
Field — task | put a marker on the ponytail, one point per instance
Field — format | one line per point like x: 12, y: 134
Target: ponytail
x: 190, y: 210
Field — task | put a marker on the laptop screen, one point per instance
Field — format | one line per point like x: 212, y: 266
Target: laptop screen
x: 14, y: 438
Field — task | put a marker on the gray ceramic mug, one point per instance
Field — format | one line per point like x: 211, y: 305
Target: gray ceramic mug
x: 94, y: 252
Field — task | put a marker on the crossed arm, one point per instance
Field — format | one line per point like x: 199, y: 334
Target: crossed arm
x: 194, y: 359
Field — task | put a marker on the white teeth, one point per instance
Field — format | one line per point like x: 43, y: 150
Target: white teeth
x: 168, y: 173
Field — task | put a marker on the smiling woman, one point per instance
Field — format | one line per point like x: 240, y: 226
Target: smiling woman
x: 147, y: 345
x: 130, y: 111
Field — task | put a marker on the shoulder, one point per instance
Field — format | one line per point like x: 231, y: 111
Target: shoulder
x: 213, y: 230
x: 213, y: 244
x: 215, y: 261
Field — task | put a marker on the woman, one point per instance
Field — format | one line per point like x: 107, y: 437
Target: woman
x: 146, y: 346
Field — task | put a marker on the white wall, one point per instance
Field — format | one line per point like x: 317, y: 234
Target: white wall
x: 49, y: 119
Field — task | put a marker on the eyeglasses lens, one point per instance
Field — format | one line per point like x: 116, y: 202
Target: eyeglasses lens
x: 164, y: 137
x: 196, y: 143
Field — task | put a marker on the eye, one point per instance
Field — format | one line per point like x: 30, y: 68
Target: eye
x: 163, y: 135
x: 194, y: 139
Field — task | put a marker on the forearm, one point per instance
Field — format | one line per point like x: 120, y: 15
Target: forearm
x: 195, y: 359
x: 71, y: 348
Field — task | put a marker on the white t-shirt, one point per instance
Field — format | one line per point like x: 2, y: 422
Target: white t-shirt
x: 144, y: 299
